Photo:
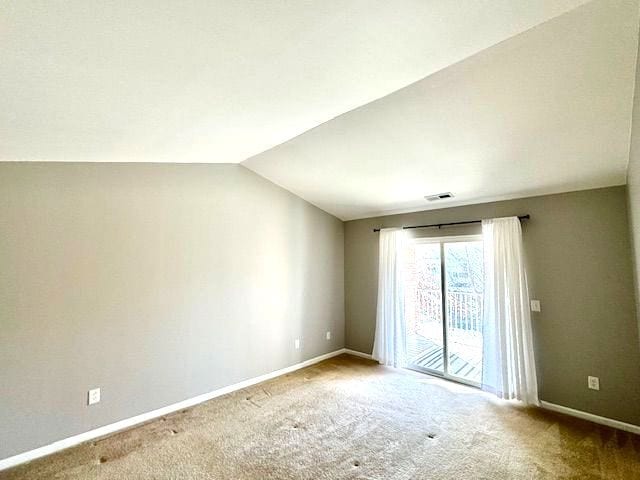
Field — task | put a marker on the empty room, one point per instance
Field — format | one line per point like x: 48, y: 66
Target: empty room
x: 319, y: 239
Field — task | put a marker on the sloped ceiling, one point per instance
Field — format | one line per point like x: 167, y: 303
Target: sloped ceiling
x: 220, y: 81
x: 546, y: 111
x: 361, y: 107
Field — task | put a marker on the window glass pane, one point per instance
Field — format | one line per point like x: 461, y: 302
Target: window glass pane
x: 423, y: 307
x: 464, y: 276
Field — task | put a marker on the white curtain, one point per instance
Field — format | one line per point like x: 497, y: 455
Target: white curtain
x: 389, y: 347
x: 508, y: 364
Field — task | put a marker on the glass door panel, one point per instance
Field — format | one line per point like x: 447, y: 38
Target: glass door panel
x: 464, y: 282
x: 423, y: 307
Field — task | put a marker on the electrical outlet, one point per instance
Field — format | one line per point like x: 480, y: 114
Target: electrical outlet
x: 329, y: 335
x: 593, y: 383
x: 535, y: 305
x: 94, y: 396
x: 297, y: 343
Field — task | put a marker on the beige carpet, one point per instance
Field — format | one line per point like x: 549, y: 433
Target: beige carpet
x: 348, y: 418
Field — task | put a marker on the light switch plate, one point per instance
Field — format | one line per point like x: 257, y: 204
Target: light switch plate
x: 328, y: 335
x: 535, y: 305
x: 94, y: 396
x: 297, y: 343
x: 593, y: 383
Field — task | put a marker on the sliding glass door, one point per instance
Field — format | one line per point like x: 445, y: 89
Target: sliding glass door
x: 424, y: 308
x: 444, y: 291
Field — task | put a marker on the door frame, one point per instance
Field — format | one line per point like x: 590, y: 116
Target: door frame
x: 445, y: 321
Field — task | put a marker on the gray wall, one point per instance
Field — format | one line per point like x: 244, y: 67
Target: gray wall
x: 579, y: 253
x: 633, y: 182
x: 156, y: 283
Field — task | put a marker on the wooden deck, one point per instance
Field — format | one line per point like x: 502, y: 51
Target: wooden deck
x: 424, y: 353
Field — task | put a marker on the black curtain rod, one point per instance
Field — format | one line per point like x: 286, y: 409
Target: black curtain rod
x: 440, y: 225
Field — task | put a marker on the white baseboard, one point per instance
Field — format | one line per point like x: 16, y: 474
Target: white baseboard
x: 627, y: 427
x: 145, y: 417
x: 355, y: 353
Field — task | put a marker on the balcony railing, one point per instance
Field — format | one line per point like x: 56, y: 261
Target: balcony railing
x: 464, y: 312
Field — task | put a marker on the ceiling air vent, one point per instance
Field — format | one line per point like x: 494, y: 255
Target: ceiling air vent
x: 439, y: 196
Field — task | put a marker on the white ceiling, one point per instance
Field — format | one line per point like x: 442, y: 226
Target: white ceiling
x: 511, y: 98
x: 220, y: 81
x: 546, y: 111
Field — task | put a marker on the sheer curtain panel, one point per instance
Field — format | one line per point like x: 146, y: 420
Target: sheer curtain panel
x: 389, y: 347
x: 508, y: 361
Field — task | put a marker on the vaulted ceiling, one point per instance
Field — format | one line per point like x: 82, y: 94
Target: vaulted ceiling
x: 546, y: 111
x: 360, y: 107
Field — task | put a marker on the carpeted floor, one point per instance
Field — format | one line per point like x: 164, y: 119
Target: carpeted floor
x: 348, y: 418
